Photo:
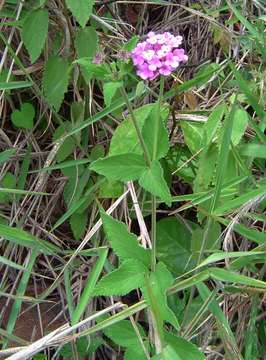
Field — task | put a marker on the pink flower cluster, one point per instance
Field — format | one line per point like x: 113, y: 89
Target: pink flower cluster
x: 158, y: 55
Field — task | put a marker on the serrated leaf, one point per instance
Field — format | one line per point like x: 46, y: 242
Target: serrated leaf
x: 109, y: 91
x: 55, y: 80
x: 155, y: 134
x: 78, y: 223
x: 122, y: 167
x: 34, y: 32
x: 129, y: 276
x: 125, y: 138
x: 152, y: 180
x: 86, y: 42
x: 23, y: 118
x: 193, y: 134
x: 90, y: 70
x: 183, y: 348
x: 154, y: 293
x: 81, y: 9
x: 123, y: 333
x: 124, y: 243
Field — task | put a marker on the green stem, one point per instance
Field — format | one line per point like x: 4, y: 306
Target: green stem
x: 134, y: 120
x: 153, y: 232
x: 153, y: 198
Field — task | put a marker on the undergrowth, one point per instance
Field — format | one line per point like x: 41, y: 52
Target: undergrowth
x: 132, y: 212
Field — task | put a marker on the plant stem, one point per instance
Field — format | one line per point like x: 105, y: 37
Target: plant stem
x: 153, y: 198
x: 134, y: 120
x: 153, y: 232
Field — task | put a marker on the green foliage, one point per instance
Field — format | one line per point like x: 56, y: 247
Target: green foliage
x: 174, y: 244
x: 81, y: 9
x: 7, y: 182
x: 152, y: 180
x: 23, y: 118
x: 124, y: 243
x: 124, y: 139
x: 68, y: 145
x: 34, y: 32
x: 109, y: 91
x: 193, y: 135
x: 129, y: 276
x: 55, y: 80
x: 155, y: 134
x: 116, y: 167
x: 78, y: 222
x: 154, y: 293
x: 196, y: 171
x: 86, y: 42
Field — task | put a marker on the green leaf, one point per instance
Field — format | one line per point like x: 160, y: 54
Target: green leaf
x: 123, y: 334
x: 122, y: 167
x: 15, y: 85
x: 152, y: 180
x: 229, y: 276
x: 183, y: 348
x: 124, y: 243
x: 55, y: 80
x: 223, y: 156
x: 86, y: 42
x: 87, y: 292
x: 68, y: 145
x: 213, y: 123
x: 193, y: 134
x: 206, y: 168
x: 111, y: 189
x: 23, y: 238
x: 109, y: 91
x: 99, y: 71
x: 129, y: 276
x: 131, y: 44
x: 246, y: 88
x: 212, y: 238
x: 224, y: 328
x: 81, y: 9
x: 23, y: 118
x: 136, y: 352
x: 6, y: 155
x: 154, y: 293
x: 155, y: 133
x: 125, y: 139
x: 253, y: 150
x: 173, y: 244
x: 168, y: 353
x: 7, y: 182
x: 34, y: 32
x: 240, y: 123
x: 78, y: 222
x: 240, y: 200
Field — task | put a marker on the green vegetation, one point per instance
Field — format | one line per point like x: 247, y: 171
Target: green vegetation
x: 133, y: 210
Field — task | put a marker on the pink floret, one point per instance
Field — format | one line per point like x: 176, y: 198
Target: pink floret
x: 159, y: 55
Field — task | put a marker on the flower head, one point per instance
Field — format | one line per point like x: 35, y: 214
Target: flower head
x: 158, y: 55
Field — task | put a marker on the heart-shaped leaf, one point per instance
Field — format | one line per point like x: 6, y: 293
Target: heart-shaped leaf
x: 23, y: 118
